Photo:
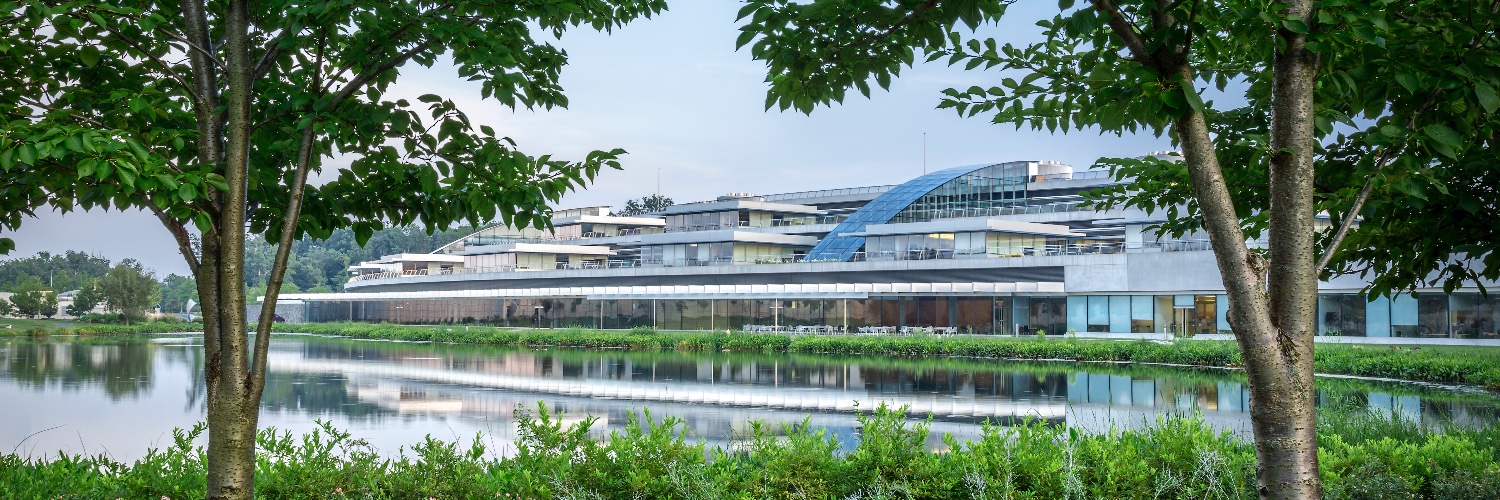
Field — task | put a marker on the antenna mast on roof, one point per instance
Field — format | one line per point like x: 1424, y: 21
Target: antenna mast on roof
x: 924, y: 153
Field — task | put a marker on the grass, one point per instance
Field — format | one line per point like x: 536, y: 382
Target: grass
x: 1476, y: 366
x: 1361, y: 456
x: 20, y: 325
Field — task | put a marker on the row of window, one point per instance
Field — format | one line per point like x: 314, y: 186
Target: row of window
x: 1460, y: 315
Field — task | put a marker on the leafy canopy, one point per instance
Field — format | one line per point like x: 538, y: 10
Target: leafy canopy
x: 129, y: 289
x: 1406, y: 105
x: 99, y: 111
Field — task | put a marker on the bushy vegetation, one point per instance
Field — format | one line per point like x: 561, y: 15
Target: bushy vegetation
x: 1363, y: 456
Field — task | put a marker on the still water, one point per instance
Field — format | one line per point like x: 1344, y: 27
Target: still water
x: 121, y: 396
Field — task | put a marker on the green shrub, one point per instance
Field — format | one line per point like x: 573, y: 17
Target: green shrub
x: 1177, y: 457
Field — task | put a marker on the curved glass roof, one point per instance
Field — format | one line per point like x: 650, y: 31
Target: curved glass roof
x: 839, y: 247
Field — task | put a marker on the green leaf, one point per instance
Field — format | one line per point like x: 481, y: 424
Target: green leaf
x: 1193, y: 99
x: 89, y: 55
x: 1487, y: 97
x: 1444, y: 135
x: 1409, y: 81
x: 86, y: 167
x: 187, y: 192
x: 27, y: 153
x: 205, y: 225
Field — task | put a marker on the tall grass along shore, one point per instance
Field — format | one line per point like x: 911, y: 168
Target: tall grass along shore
x: 1476, y: 366
x: 1362, y: 456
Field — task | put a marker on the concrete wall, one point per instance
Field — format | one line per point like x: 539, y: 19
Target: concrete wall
x: 293, y: 311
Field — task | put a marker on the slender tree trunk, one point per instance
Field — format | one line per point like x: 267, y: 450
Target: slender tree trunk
x: 1276, y: 349
x: 1283, y: 416
x: 233, y: 409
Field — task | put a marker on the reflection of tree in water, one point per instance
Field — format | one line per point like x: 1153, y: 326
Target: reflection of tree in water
x: 121, y: 369
x: 317, y: 395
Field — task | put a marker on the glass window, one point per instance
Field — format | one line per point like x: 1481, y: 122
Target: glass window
x: 1164, y: 314
x: 1098, y: 313
x: 1078, y: 313
x: 1474, y: 316
x: 1224, y: 314
x: 1119, y: 313
x: 1204, y: 318
x: 1142, y: 314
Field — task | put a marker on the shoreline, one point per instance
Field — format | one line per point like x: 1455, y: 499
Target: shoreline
x: 1455, y: 367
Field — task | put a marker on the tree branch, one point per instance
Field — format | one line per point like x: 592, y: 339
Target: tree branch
x: 184, y: 241
x: 200, y: 50
x: 166, y: 68
x: 891, y: 30
x: 1386, y: 157
x: 288, y: 231
x: 1127, y: 32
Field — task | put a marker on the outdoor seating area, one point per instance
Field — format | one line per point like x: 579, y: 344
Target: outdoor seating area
x: 804, y: 329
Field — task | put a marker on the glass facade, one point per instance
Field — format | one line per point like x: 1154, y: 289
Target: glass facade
x: 718, y: 254
x: 1460, y: 315
x: 959, y: 245
x: 924, y: 198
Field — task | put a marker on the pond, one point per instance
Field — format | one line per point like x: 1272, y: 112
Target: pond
x: 121, y: 396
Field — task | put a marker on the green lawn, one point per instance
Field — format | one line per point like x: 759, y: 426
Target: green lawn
x: 16, y: 324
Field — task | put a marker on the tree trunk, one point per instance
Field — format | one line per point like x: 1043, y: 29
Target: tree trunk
x: 234, y: 401
x: 1272, y: 313
x: 1283, y: 413
x: 231, y: 442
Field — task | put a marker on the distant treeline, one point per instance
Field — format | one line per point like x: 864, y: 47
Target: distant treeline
x: 322, y: 266
x: 316, y: 266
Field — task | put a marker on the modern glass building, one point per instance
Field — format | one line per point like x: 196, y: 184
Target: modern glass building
x: 1002, y: 248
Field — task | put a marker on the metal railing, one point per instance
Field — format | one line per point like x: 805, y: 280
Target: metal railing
x: 1073, y: 176
x: 425, y: 272
x: 828, y: 192
x: 1101, y: 248
x: 797, y: 221
x: 1061, y: 207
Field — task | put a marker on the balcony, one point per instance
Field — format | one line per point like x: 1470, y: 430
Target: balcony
x: 1073, y: 249
x: 787, y: 222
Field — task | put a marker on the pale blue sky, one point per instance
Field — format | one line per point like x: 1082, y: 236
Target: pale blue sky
x: 674, y: 93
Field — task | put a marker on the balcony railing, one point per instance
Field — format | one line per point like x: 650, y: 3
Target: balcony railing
x: 1073, y: 176
x: 828, y: 192
x: 798, y: 221
x: 1102, y: 248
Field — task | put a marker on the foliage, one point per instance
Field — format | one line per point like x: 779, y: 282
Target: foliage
x: 30, y: 298
x: 48, y: 304
x: 66, y: 272
x: 644, y: 204
x: 88, y: 297
x: 1407, y: 125
x: 6, y: 308
x: 177, y: 291
x: 129, y: 289
x: 213, y: 115
x: 1176, y: 457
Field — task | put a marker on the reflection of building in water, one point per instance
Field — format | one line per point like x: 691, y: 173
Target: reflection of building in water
x: 790, y: 387
x: 404, y: 399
